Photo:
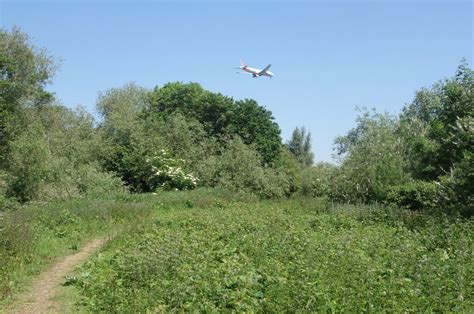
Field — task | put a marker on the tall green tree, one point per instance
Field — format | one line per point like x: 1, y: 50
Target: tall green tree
x: 256, y: 125
x: 221, y: 116
x: 300, y: 146
x: 372, y: 159
x: 438, y: 129
x: 212, y: 110
x: 436, y: 114
x: 24, y: 72
x: 125, y: 143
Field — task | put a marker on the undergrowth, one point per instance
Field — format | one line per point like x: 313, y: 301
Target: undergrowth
x: 205, y: 252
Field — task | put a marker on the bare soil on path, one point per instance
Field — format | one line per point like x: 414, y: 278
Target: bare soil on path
x: 40, y: 298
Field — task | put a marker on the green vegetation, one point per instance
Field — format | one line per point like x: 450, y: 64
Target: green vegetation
x: 300, y: 146
x: 32, y: 237
x: 181, y: 136
x: 431, y: 141
x: 389, y: 228
x: 210, y: 252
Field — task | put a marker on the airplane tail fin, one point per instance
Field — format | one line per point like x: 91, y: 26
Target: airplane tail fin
x: 242, y: 63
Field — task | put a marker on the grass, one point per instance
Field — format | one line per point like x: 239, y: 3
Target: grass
x: 33, y: 236
x: 210, y: 251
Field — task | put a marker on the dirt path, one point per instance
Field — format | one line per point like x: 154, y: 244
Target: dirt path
x: 40, y: 298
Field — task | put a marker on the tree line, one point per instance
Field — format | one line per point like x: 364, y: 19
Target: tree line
x: 181, y: 136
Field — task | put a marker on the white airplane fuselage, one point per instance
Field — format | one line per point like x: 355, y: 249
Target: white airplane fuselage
x: 256, y: 72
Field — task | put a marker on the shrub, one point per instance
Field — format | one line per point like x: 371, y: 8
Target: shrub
x: 184, y: 137
x: 91, y: 181
x: 27, y: 164
x: 456, y: 187
x: 316, y: 180
x: 373, y: 159
x: 288, y: 164
x: 414, y: 195
x: 166, y: 173
x: 62, y: 179
x: 6, y: 203
x: 239, y: 168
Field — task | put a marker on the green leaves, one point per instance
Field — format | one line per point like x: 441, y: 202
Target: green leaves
x: 221, y: 116
x: 415, y: 195
x: 300, y: 146
x: 294, y: 255
x: 374, y: 159
x: 24, y: 72
x: 445, y: 107
x: 402, y: 159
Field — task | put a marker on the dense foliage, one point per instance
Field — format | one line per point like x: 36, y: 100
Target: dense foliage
x: 51, y: 152
x: 212, y: 253
x: 428, y: 148
x: 300, y: 146
x: 24, y: 71
x: 421, y: 159
x: 221, y: 116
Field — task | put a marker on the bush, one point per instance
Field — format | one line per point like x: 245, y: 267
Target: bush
x: 238, y: 168
x: 373, y: 159
x: 316, y: 180
x: 415, y: 195
x: 184, y: 137
x: 288, y: 164
x: 456, y: 187
x: 6, y: 203
x: 164, y: 172
x: 91, y: 181
x: 62, y: 180
x: 27, y: 164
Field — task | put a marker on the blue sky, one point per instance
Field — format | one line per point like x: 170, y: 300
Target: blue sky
x: 328, y: 57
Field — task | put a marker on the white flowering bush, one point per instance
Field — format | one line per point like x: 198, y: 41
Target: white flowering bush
x: 167, y: 173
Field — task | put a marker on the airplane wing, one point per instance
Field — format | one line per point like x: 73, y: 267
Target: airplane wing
x: 264, y: 70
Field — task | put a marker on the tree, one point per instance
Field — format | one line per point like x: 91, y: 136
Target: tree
x: 300, y: 146
x: 27, y: 164
x: 69, y: 133
x: 221, y: 116
x: 212, y: 110
x: 438, y: 117
x: 255, y: 125
x: 126, y: 145
x: 441, y: 143
x: 373, y: 160
x: 24, y: 72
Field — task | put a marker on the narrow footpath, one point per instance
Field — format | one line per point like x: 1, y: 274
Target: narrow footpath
x: 40, y: 298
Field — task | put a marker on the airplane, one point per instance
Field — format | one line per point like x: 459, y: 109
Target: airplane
x: 255, y: 72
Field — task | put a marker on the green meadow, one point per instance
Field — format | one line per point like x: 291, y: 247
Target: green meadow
x: 209, y: 250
